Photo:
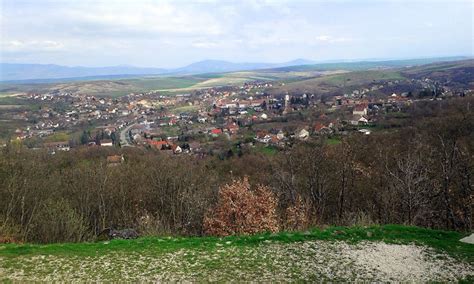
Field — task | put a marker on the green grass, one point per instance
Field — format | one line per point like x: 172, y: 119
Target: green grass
x: 444, y: 241
x: 58, y: 137
x: 345, y: 82
x: 185, y: 109
x: 114, y: 88
x: 361, y: 77
x: 170, y: 130
x: 11, y: 101
x: 287, y: 256
x: 165, y: 82
x: 266, y: 150
x: 333, y: 141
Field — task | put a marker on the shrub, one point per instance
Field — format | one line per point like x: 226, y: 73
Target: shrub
x: 297, y: 215
x: 240, y: 210
x: 56, y: 221
x: 149, y: 225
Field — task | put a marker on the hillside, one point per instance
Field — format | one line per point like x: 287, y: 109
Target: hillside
x: 455, y: 73
x: 387, y: 253
x: 322, y: 78
x: 119, y: 87
x: 337, y: 83
x: 370, y: 65
x: 105, y: 87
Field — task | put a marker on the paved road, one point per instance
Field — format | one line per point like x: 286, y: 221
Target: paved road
x: 124, y: 138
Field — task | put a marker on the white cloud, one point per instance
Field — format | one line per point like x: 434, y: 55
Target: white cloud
x: 31, y: 45
x: 332, y: 39
x: 145, y: 18
x: 176, y: 32
x: 204, y: 44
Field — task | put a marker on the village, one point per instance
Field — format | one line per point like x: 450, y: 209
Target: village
x: 220, y: 120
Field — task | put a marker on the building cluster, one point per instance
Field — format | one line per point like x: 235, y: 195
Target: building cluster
x: 194, y: 122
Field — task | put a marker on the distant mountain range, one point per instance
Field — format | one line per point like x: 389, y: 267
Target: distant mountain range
x: 220, y: 66
x: 20, y: 72
x: 46, y: 72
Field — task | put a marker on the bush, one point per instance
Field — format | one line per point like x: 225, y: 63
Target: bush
x: 56, y: 221
x: 149, y: 225
x: 297, y: 215
x: 242, y: 211
x: 9, y: 234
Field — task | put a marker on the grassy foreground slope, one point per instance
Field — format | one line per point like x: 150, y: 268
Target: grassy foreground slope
x: 379, y: 253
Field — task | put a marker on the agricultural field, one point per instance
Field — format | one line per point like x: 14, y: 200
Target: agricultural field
x: 106, y: 87
x: 171, y: 85
x: 375, y: 254
x: 339, y: 82
x: 321, y: 78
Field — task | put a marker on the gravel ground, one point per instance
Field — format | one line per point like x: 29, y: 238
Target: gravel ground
x: 310, y: 261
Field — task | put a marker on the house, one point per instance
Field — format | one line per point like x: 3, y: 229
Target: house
x: 172, y: 121
x: 216, y: 131
x: 136, y: 137
x: 160, y: 145
x: 263, y: 137
x: 360, y: 109
x: 320, y: 128
x: 274, y: 140
x: 232, y: 127
x: 61, y: 146
x: 106, y: 143
x: 280, y: 135
x: 176, y: 149
x: 303, y: 134
x: 363, y: 120
x: 365, y: 131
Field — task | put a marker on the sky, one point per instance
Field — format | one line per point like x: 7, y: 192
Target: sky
x: 162, y: 33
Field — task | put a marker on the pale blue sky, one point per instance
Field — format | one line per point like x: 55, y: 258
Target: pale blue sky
x: 159, y: 33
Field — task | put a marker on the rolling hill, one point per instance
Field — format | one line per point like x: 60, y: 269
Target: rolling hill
x: 44, y: 73
x: 319, y: 78
x: 49, y: 73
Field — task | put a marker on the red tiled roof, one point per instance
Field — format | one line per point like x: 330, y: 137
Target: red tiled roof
x: 261, y: 134
x: 360, y: 107
x: 318, y: 126
x: 157, y: 143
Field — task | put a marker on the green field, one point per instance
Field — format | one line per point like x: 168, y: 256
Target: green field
x: 106, y: 87
x: 332, y: 254
x: 266, y: 150
x: 315, y: 78
x: 334, y: 141
x: 339, y: 82
x: 185, y: 109
x: 360, y: 77
x: 58, y: 137
x: 125, y: 86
